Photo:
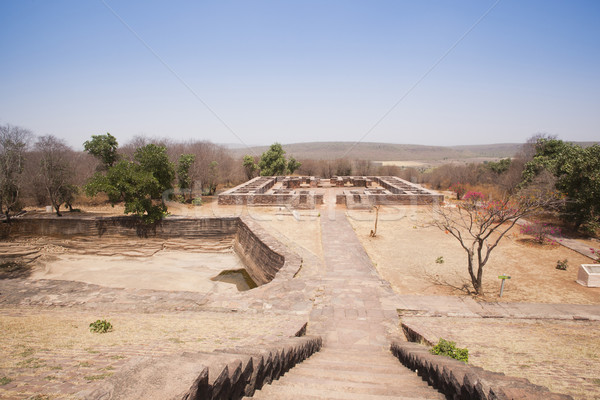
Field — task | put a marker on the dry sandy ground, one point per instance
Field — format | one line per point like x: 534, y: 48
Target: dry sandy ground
x: 521, y: 347
x: 165, y: 270
x: 53, y: 352
x: 406, y: 248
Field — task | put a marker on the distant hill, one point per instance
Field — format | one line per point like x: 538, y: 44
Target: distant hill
x: 387, y: 151
x: 393, y: 152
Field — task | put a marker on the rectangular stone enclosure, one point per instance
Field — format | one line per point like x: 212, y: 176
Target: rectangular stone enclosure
x: 589, y: 275
x: 309, y: 191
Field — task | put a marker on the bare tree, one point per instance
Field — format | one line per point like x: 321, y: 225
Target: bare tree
x: 480, y: 225
x: 13, y: 145
x: 55, y: 171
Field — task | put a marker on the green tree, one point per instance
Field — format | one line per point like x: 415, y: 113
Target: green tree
x: 13, y: 145
x: 273, y: 162
x: 103, y: 147
x: 184, y: 176
x: 500, y: 166
x: 293, y: 165
x: 250, y: 166
x: 140, y: 184
x: 577, y: 173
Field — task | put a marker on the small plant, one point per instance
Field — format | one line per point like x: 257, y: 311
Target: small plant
x: 449, y: 349
x: 439, y: 260
x: 562, y: 265
x: 5, y: 381
x: 473, y: 196
x: 101, y: 326
x: 459, y: 188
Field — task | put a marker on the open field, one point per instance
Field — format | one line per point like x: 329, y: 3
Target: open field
x: 406, y: 248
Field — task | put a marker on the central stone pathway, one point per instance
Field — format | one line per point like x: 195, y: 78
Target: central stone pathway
x: 354, y: 313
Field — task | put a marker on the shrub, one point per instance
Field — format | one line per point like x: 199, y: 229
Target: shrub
x: 439, y: 260
x: 562, y: 265
x: 473, y: 196
x: 541, y: 232
x: 449, y: 349
x: 101, y: 326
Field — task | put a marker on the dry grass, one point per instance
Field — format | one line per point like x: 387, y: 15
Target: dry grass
x: 561, y: 355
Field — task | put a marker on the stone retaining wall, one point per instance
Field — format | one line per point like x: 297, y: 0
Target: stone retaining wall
x: 263, y: 255
x: 458, y: 380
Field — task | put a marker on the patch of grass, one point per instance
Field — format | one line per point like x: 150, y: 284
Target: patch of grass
x: 40, y: 397
x: 5, y: 380
x: 27, y: 352
x: 234, y: 338
x: 55, y: 367
x: 117, y: 357
x: 101, y: 326
x: 85, y: 364
x: 596, y: 381
x: 91, y: 351
x: 439, y: 260
x: 98, y: 377
x: 449, y: 349
x: 175, y: 340
x: 33, y: 362
x: 51, y: 377
x: 108, y: 368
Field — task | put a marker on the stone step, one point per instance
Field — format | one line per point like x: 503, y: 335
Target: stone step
x: 392, y: 376
x: 380, y: 367
x: 347, y: 386
x: 279, y: 391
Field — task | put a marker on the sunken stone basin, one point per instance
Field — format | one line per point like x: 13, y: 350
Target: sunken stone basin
x: 589, y: 275
x: 239, y: 246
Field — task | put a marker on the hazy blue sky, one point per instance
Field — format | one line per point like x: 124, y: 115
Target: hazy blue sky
x: 295, y: 71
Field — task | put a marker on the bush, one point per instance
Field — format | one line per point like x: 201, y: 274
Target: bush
x: 541, y: 232
x: 449, y: 349
x: 562, y: 265
x: 101, y: 326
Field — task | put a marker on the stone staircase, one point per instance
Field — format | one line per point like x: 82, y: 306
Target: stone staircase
x: 336, y: 373
x: 354, y: 316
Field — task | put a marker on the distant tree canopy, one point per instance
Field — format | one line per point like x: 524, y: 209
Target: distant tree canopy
x: 250, y: 167
x: 140, y: 184
x: 273, y: 162
x: 103, y: 147
x: 577, y: 173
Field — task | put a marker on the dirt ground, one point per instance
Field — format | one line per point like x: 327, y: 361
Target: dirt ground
x: 405, y: 251
x: 53, y: 352
x: 561, y: 355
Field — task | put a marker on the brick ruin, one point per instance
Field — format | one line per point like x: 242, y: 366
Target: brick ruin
x: 310, y: 191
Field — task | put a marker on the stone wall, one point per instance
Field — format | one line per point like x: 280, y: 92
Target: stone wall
x: 458, y: 380
x: 123, y: 226
x: 263, y: 255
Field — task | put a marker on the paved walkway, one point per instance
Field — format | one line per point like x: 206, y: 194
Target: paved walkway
x: 354, y: 312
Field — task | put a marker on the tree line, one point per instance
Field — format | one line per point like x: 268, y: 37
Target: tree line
x: 45, y: 170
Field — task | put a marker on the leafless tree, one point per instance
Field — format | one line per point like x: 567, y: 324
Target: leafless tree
x: 480, y: 225
x: 55, y: 171
x: 13, y: 146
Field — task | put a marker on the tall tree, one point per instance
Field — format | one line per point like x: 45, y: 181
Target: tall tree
x: 479, y: 225
x: 272, y: 162
x: 103, y: 147
x: 577, y: 173
x: 13, y: 145
x: 250, y: 166
x: 55, y: 171
x: 184, y: 175
x: 293, y: 165
x: 140, y: 184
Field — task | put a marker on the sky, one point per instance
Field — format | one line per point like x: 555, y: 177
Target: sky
x: 257, y: 72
